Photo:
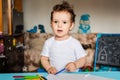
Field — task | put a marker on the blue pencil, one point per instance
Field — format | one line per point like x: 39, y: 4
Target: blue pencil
x: 60, y: 71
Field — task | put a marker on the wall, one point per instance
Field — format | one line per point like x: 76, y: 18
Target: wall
x: 104, y: 14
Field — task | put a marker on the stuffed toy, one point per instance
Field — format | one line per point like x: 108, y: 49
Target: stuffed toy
x: 34, y: 30
x: 37, y: 29
x: 88, y: 42
x: 84, y: 26
x: 41, y: 27
x: 34, y: 43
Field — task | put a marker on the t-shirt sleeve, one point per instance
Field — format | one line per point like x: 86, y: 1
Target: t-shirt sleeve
x: 79, y: 50
x: 45, y: 50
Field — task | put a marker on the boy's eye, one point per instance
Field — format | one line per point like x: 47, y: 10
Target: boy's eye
x: 64, y: 22
x: 55, y: 21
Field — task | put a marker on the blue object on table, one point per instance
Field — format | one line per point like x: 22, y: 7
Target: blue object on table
x: 60, y: 71
x: 108, y: 68
x: 41, y: 70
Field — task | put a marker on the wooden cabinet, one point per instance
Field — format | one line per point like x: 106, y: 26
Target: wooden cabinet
x: 12, y: 58
x: 18, y: 5
x: 0, y: 15
x: 11, y: 16
x: 11, y: 26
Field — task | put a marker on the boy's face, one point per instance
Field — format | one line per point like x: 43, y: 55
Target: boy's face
x: 61, y: 24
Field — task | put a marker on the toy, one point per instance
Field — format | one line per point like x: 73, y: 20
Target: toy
x: 84, y: 24
x: 29, y: 77
x: 37, y: 29
x: 34, y: 30
x: 41, y: 27
x: 33, y: 43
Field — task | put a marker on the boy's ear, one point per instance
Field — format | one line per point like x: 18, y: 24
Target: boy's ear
x: 72, y: 25
x: 51, y: 24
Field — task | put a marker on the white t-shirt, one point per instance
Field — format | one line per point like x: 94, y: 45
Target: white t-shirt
x: 62, y: 52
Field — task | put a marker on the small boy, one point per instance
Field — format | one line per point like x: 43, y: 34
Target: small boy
x: 62, y: 50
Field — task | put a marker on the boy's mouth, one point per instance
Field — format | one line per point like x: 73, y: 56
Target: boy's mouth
x: 59, y: 30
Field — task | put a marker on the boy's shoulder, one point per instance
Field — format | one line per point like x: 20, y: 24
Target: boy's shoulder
x: 74, y: 39
x: 49, y: 40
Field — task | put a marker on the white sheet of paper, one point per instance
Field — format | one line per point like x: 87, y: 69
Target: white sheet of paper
x: 76, y: 77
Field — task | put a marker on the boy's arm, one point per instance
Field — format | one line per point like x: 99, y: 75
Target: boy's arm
x: 80, y: 62
x: 45, y: 62
x: 72, y: 66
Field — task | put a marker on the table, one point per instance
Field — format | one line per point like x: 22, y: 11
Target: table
x: 9, y: 76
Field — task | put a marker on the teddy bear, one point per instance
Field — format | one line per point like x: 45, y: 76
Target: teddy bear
x: 34, y: 43
x: 84, y: 26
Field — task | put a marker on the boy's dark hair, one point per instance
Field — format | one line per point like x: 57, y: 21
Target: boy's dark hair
x: 65, y: 6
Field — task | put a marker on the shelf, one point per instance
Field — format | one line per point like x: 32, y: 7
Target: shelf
x: 2, y: 56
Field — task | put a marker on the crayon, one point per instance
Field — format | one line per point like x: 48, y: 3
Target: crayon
x: 60, y: 71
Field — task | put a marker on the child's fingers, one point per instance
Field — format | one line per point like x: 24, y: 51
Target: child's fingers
x: 70, y: 67
x: 52, y: 70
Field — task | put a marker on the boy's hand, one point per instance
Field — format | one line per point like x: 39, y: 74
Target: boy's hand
x: 71, y: 67
x: 52, y: 70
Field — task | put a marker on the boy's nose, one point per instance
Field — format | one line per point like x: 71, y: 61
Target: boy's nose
x: 59, y: 24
